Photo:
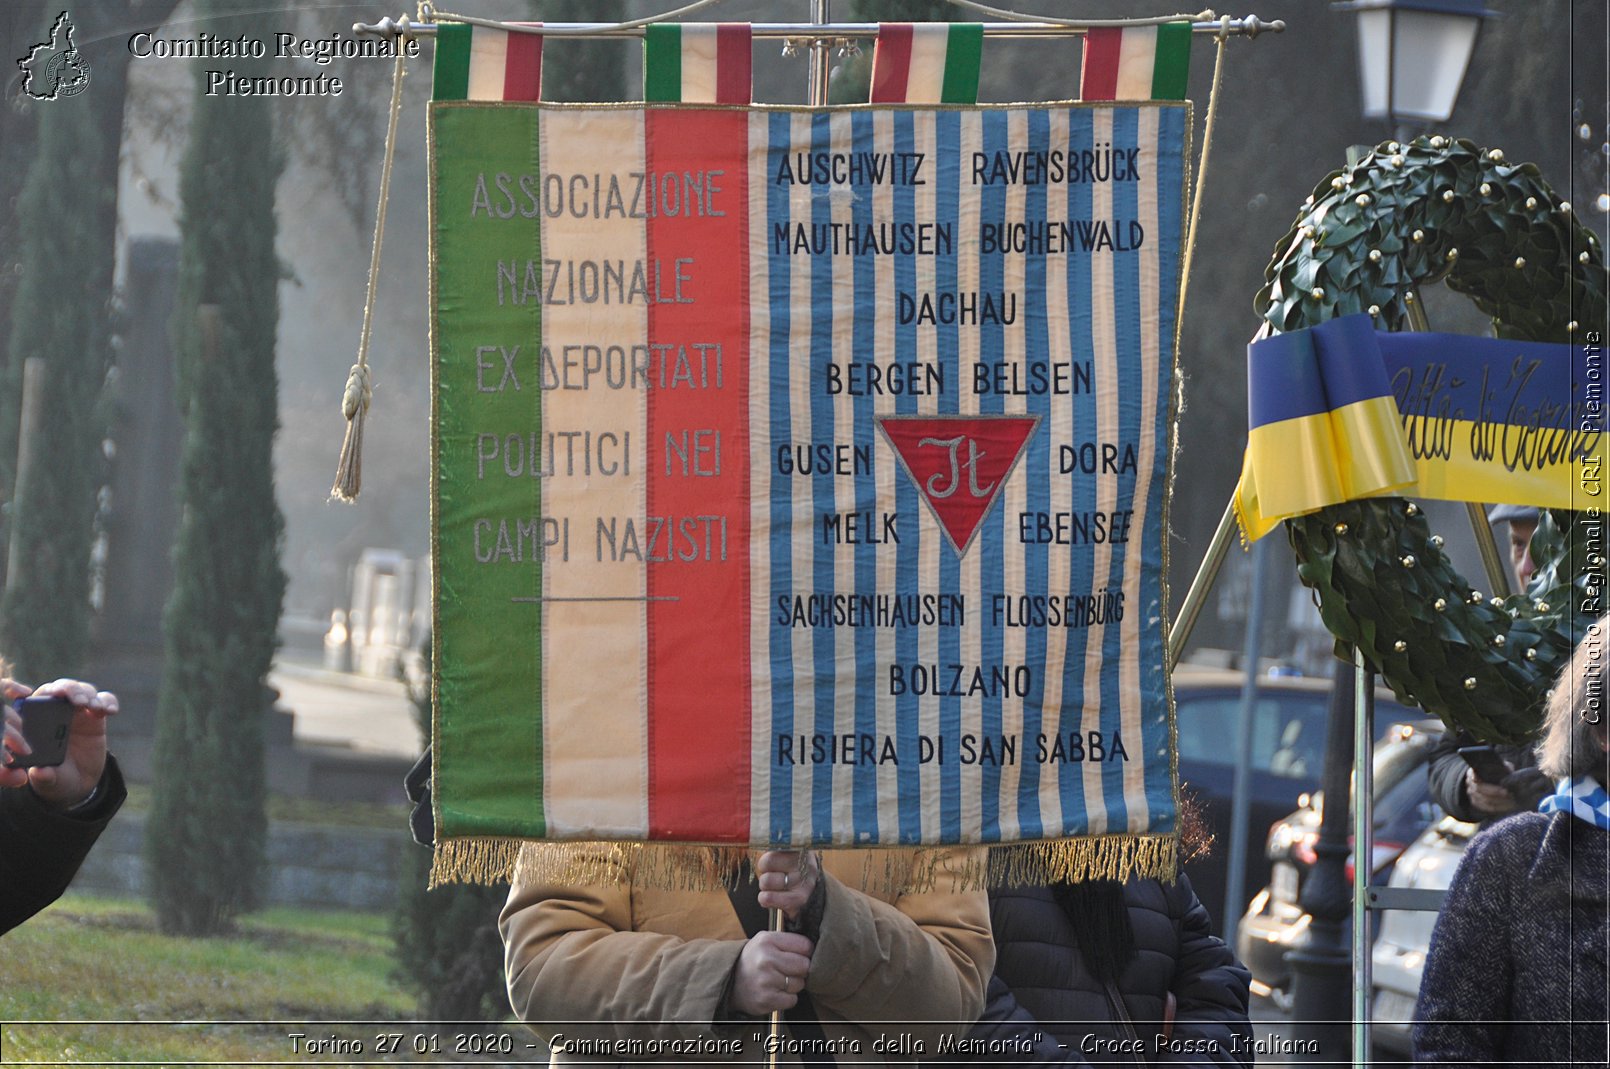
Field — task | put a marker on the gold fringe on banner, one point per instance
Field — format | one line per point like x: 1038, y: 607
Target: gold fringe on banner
x: 896, y: 871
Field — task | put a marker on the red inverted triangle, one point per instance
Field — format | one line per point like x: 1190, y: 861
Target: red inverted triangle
x: 959, y: 464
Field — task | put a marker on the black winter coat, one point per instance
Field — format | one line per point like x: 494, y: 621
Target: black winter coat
x: 1042, y: 986
x: 41, y: 849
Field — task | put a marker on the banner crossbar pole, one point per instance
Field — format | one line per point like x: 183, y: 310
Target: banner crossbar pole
x: 390, y: 29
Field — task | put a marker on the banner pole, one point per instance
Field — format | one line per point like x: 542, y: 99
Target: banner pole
x: 1196, y: 595
x: 1250, y: 26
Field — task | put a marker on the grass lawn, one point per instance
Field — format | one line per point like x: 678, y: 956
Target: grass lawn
x: 71, y: 974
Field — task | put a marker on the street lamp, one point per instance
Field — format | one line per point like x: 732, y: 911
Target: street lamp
x: 1412, y: 54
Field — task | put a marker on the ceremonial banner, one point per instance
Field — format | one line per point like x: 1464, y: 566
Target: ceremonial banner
x: 800, y: 477
x: 1343, y: 411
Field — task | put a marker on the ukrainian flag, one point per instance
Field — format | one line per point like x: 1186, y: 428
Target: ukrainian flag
x: 1343, y: 411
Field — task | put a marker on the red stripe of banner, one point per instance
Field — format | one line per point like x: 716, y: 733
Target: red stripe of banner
x: 522, y: 71
x: 891, y: 63
x: 1099, y: 78
x: 698, y: 445
x: 733, y: 57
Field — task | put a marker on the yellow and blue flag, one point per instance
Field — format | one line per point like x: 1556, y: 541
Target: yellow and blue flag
x: 1343, y: 411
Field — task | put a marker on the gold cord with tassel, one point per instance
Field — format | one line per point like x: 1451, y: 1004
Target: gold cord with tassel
x: 355, y: 398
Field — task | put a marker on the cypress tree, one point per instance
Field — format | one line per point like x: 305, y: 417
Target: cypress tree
x: 59, y: 315
x: 207, y: 829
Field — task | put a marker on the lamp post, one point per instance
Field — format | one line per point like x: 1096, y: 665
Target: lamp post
x: 1412, y: 55
x: 1321, y: 976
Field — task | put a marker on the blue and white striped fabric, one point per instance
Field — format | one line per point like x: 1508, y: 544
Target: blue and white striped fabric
x: 1583, y: 798
x: 1046, y: 242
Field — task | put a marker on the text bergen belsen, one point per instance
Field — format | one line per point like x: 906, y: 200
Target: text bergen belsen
x: 321, y: 50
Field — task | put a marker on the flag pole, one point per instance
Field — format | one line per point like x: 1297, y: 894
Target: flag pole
x: 388, y: 28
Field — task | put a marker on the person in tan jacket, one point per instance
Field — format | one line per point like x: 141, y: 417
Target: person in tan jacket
x: 625, y: 971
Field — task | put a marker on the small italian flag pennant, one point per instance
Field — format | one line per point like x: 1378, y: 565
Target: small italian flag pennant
x: 927, y: 63
x: 480, y: 63
x: 1136, y: 62
x: 697, y: 63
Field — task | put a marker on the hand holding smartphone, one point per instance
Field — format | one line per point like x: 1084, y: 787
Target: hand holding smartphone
x: 1488, y: 765
x: 46, y: 725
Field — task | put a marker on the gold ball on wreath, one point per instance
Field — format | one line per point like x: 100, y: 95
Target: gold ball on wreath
x: 1447, y: 196
x: 1470, y: 682
x: 1400, y: 646
x: 1441, y: 604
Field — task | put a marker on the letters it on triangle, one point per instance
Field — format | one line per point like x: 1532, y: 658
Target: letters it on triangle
x: 959, y: 464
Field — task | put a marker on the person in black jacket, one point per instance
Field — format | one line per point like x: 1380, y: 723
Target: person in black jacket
x: 1454, y: 784
x: 50, y: 817
x: 1109, y: 973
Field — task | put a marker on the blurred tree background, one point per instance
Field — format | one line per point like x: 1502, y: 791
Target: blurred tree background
x: 205, y: 838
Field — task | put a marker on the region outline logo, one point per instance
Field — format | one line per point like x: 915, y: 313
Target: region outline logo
x: 53, y: 68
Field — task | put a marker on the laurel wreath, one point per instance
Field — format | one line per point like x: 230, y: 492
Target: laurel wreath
x: 1406, y: 215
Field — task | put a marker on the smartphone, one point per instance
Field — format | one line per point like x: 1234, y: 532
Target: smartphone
x: 45, y: 724
x: 1489, y: 766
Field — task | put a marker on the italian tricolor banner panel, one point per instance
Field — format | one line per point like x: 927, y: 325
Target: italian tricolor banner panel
x: 800, y: 476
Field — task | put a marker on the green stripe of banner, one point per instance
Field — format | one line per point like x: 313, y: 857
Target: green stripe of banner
x: 964, y: 51
x: 489, y: 746
x: 1173, y: 61
x: 662, y: 62
x: 451, y: 74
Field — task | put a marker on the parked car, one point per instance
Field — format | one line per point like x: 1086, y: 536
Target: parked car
x: 1275, y: 923
x: 1399, y: 954
x: 1288, y: 750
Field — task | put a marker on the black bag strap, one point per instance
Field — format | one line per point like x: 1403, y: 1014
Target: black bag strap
x: 1126, y: 1026
x: 801, y: 1017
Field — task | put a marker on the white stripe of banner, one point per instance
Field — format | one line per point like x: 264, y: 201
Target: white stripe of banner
x: 930, y: 42
x: 762, y: 740
x: 1059, y: 579
x: 1104, y: 345
x: 699, y: 63
x: 885, y: 472
x: 596, y: 766
x: 799, y: 402
x: 842, y: 406
x: 1135, y: 801
x: 971, y: 573
x: 1137, y: 53
x: 489, y: 56
x: 1015, y: 495
x: 925, y: 205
